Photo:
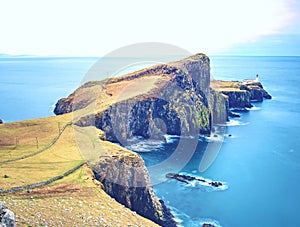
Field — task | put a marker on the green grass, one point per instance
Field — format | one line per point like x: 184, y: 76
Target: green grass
x: 77, y: 198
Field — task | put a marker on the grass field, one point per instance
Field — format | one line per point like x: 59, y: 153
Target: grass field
x: 75, y: 200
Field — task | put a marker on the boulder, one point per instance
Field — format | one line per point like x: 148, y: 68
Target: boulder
x: 7, y: 217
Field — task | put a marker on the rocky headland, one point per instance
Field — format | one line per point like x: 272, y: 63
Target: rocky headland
x: 240, y: 94
x: 177, y: 98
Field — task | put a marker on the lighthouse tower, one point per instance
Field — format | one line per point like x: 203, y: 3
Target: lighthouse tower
x: 256, y: 79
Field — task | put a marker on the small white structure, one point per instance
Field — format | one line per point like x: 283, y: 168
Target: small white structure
x: 256, y: 79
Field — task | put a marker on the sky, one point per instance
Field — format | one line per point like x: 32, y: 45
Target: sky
x: 97, y: 27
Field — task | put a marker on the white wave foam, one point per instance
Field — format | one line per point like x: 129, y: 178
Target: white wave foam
x: 236, y: 123
x: 177, y: 220
x: 254, y: 108
x: 205, y: 184
x: 213, y: 138
x: 183, y: 219
x: 209, y: 221
x: 143, y: 145
x: 171, y: 138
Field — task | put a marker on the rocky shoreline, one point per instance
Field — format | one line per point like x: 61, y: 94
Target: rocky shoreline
x: 177, y: 98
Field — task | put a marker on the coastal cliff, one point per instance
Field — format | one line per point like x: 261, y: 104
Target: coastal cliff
x: 177, y: 98
x: 164, y: 99
x: 124, y: 177
x: 240, y: 94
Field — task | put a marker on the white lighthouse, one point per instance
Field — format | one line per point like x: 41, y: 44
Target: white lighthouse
x: 256, y: 78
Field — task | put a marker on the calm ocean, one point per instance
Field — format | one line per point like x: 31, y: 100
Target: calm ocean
x: 260, y: 162
x: 29, y: 87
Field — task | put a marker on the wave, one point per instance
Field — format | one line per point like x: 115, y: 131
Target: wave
x: 253, y: 108
x: 183, y: 219
x: 209, y: 221
x: 212, y: 138
x: 205, y: 186
x: 235, y: 123
x: 179, y: 216
x: 138, y: 144
x: 171, y: 138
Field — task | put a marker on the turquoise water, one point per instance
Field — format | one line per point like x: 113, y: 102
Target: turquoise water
x: 29, y: 87
x: 260, y: 162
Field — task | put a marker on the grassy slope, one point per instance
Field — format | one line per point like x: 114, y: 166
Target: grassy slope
x: 74, y: 200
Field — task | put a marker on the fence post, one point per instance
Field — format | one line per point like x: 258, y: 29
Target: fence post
x: 17, y: 141
x: 37, y: 143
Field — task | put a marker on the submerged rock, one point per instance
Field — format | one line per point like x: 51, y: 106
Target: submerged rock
x: 7, y: 217
x: 187, y: 179
x: 208, y: 225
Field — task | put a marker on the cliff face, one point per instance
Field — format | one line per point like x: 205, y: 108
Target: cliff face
x: 219, y: 104
x: 125, y: 178
x: 177, y: 98
x: 241, y: 94
x: 257, y: 92
x: 238, y: 99
x: 165, y: 99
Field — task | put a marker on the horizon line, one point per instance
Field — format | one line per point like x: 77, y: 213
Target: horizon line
x: 3, y: 55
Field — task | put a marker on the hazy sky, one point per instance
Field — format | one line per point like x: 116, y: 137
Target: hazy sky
x: 96, y: 27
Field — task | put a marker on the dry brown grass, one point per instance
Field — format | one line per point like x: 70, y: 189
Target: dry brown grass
x: 220, y: 85
x: 76, y: 200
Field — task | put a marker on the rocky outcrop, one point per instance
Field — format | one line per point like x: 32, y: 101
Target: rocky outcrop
x: 208, y: 225
x: 187, y: 179
x: 7, y: 217
x: 241, y: 94
x: 1, y: 121
x: 238, y: 99
x: 257, y: 92
x: 125, y: 178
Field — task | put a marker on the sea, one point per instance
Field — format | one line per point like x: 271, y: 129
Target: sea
x: 258, y: 162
